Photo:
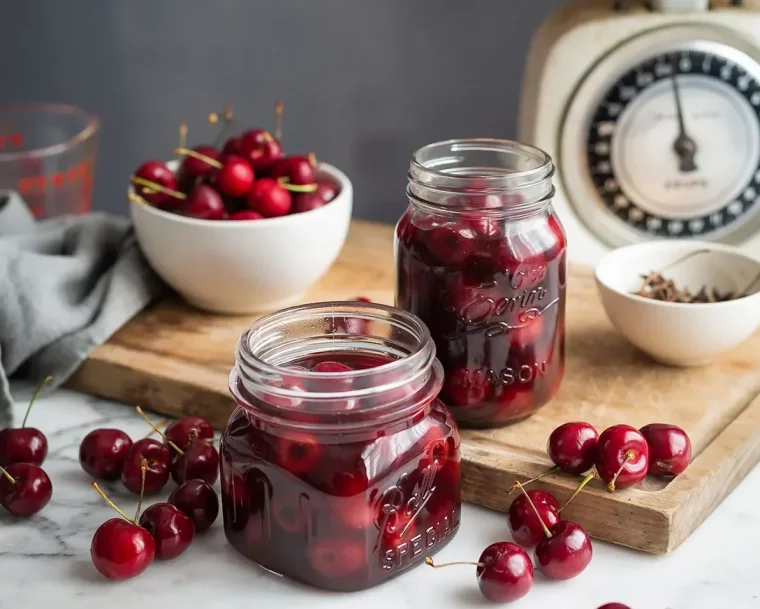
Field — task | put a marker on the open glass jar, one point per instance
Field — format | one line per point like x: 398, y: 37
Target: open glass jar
x: 480, y: 258
x: 340, y: 467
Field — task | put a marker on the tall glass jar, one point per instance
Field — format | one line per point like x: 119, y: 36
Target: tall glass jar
x: 340, y: 467
x: 480, y: 258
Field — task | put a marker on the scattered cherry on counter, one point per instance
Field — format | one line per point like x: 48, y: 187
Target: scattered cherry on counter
x: 159, y: 459
x: 572, y: 447
x: 504, y: 572
x: 526, y: 522
x: 171, y: 529
x: 103, y: 451
x: 669, y: 449
x: 120, y: 548
x: 199, y: 501
x: 180, y: 431
x: 24, y: 444
x: 622, y: 458
x: 25, y: 489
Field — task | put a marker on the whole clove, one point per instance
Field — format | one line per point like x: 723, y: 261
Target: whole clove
x: 658, y: 287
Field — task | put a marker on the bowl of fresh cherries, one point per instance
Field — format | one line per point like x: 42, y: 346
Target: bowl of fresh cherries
x: 238, y: 226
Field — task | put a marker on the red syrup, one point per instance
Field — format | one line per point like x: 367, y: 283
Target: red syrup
x: 493, y: 297
x: 333, y: 507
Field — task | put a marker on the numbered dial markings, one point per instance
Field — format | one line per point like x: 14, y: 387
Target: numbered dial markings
x: 673, y: 149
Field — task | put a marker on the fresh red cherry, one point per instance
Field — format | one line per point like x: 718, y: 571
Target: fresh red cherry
x: 232, y: 146
x: 297, y: 169
x: 326, y: 190
x: 566, y: 553
x: 196, y: 167
x: 157, y: 173
x: 170, y: 528
x: 451, y: 244
x: 614, y: 606
x: 331, y: 367
x: 298, y: 452
x: 307, y: 201
x: 572, y: 447
x: 198, y: 500
x: 288, y: 515
x: 24, y: 444
x: 204, y: 203
x: 526, y: 526
x: 334, y: 558
x: 185, y: 430
x: 466, y: 387
x: 235, y: 177
x: 260, y: 149
x: 159, y: 459
x: 669, y: 449
x: 24, y: 489
x: 245, y: 214
x: 121, y: 549
x: 504, y: 572
x: 622, y: 458
x: 199, y: 461
x: 103, y: 451
x: 269, y: 198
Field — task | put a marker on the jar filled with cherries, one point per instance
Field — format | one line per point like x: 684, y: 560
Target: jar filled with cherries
x: 340, y: 467
x: 480, y: 258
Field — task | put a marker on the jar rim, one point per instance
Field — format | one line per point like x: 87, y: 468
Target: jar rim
x: 418, y: 365
x: 542, y: 169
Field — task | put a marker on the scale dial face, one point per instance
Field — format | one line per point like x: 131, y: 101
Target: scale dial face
x: 669, y: 144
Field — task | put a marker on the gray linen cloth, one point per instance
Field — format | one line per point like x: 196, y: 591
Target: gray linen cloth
x: 66, y: 285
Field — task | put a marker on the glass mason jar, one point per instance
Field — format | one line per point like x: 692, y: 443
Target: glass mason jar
x: 480, y: 258
x: 340, y: 467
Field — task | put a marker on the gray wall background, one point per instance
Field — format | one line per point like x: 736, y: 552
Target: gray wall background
x: 365, y: 82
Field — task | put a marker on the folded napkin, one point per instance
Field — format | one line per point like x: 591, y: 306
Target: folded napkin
x: 66, y: 285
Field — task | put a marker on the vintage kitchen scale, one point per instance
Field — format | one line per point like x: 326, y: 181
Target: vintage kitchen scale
x: 651, y: 111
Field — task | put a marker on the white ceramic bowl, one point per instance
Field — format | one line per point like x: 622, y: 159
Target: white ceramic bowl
x: 239, y: 267
x: 681, y: 334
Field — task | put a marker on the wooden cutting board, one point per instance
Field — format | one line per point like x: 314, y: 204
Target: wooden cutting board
x: 175, y: 360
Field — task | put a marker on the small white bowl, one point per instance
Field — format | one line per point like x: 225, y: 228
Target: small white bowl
x: 238, y: 267
x: 681, y: 334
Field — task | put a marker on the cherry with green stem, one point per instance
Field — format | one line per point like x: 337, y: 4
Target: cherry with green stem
x: 24, y: 489
x: 121, y: 549
x: 566, y: 549
x: 504, y: 571
x: 24, y: 444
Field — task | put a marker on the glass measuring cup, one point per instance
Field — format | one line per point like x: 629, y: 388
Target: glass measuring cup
x: 47, y: 155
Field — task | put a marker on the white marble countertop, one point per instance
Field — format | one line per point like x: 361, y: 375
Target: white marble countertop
x: 45, y: 560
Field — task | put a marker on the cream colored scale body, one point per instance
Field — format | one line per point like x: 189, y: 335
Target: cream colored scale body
x: 609, y: 92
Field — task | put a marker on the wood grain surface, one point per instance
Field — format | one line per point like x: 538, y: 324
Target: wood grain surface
x: 175, y: 360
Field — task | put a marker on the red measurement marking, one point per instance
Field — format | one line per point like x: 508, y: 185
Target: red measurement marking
x: 2, y: 141
x: 37, y: 211
x: 58, y: 179
x: 25, y: 186
x: 17, y: 139
x: 72, y: 173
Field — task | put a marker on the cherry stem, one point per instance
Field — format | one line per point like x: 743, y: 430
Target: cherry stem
x: 533, y: 505
x: 111, y: 503
x: 278, y: 108
x: 44, y: 382
x: 143, y: 472
x: 201, y: 157
x: 431, y: 563
x: 285, y: 183
x: 160, y: 424
x: 312, y: 159
x: 158, y: 431
x: 628, y: 457
x: 157, y: 187
x: 183, y: 135
x: 5, y: 473
x: 229, y: 121
x: 551, y: 470
x: 589, y: 477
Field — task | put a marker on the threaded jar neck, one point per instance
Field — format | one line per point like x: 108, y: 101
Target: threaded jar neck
x: 491, y: 177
